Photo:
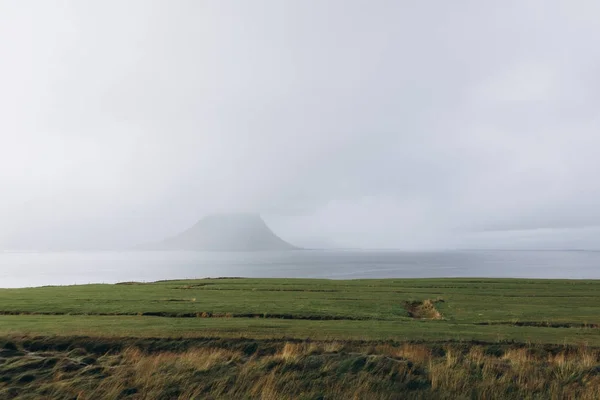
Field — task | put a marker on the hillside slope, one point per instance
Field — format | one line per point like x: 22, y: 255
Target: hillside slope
x: 225, y: 232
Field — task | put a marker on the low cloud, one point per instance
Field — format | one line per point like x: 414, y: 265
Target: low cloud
x: 365, y: 125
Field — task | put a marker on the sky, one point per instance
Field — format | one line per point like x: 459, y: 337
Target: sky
x: 344, y: 123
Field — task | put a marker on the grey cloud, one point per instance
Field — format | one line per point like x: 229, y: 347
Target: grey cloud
x: 381, y: 124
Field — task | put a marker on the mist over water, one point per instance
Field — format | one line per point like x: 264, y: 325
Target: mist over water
x: 67, y: 268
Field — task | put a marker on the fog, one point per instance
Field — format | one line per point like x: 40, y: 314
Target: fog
x: 375, y: 124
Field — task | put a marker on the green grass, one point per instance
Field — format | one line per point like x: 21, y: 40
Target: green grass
x: 472, y: 309
x: 466, y: 300
x: 125, y: 326
x: 299, y: 338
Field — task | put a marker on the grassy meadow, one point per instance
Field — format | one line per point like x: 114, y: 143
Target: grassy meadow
x: 302, y: 338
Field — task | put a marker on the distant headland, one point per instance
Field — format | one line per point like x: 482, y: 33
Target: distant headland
x: 225, y: 232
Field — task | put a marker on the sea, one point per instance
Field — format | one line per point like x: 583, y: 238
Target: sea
x: 29, y: 269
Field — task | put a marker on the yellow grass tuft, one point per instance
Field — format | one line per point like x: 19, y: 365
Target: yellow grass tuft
x: 410, y: 351
x: 291, y: 351
x: 476, y: 355
x: 587, y: 357
x: 332, y: 347
x: 517, y: 356
x: 452, y: 357
x: 423, y: 309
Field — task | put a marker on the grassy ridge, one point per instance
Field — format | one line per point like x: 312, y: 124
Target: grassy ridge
x: 92, y: 369
x: 298, y: 338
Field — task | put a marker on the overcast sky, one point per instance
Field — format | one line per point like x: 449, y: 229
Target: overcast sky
x: 404, y: 124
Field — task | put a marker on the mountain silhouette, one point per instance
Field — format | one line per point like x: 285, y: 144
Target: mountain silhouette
x: 225, y: 232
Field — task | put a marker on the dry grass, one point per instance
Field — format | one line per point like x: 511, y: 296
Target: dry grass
x: 198, y: 359
x: 409, y: 351
x: 423, y: 309
x: 307, y: 370
x: 332, y: 347
x: 517, y: 356
x: 292, y: 351
x: 476, y: 355
x: 589, y: 357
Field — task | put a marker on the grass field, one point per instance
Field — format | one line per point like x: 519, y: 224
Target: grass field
x: 495, y: 336
x: 468, y: 309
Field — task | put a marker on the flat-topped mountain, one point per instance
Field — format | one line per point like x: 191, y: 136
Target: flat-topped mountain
x: 225, y: 232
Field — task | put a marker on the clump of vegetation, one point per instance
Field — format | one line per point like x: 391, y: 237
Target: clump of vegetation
x: 307, y: 369
x: 423, y: 309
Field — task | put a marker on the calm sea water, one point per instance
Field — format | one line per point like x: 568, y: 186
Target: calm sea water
x: 67, y: 268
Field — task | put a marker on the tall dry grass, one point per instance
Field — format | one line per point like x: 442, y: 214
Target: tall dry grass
x: 327, y: 369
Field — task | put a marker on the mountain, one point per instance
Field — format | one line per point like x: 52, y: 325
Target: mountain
x: 225, y: 232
